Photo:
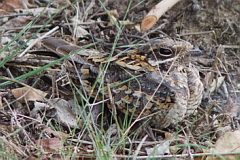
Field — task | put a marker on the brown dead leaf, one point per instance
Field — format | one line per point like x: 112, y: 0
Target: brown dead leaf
x: 168, y: 135
x: 57, y: 133
x: 49, y: 145
x: 28, y: 94
x: 9, y: 5
x: 229, y: 142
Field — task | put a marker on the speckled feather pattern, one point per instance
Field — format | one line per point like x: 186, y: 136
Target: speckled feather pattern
x: 156, y: 81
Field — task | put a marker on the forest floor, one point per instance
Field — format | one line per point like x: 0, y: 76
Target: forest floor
x: 32, y: 128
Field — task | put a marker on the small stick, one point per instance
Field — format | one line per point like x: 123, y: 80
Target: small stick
x: 156, y: 12
x: 20, y: 28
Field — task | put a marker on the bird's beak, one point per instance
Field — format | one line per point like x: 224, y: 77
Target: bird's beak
x: 195, y: 50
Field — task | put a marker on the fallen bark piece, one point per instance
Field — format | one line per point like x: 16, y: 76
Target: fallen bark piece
x: 156, y: 12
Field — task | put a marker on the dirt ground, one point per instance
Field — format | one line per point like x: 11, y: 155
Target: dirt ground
x: 213, y: 26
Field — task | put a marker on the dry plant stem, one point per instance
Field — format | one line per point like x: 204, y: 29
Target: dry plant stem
x: 16, y: 148
x: 49, y: 25
x: 18, y: 124
x: 231, y: 46
x: 187, y: 142
x: 197, y: 33
x: 15, y: 15
x: 37, y: 40
x: 2, y: 94
x: 222, y: 62
x: 54, y: 84
x: 156, y: 12
x: 200, y: 120
x: 140, y: 146
x: 20, y: 28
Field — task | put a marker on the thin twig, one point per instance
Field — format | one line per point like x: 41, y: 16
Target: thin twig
x: 197, y: 33
x: 20, y: 28
x: 16, y: 15
x: 18, y: 124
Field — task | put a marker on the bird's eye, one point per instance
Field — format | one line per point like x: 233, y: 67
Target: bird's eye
x: 165, y: 52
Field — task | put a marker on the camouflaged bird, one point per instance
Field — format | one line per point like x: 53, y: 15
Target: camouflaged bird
x: 155, y: 81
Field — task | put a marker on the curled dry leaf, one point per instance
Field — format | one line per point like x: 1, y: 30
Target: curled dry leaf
x: 28, y: 94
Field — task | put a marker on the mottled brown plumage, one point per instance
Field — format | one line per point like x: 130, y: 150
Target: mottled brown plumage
x: 156, y: 81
